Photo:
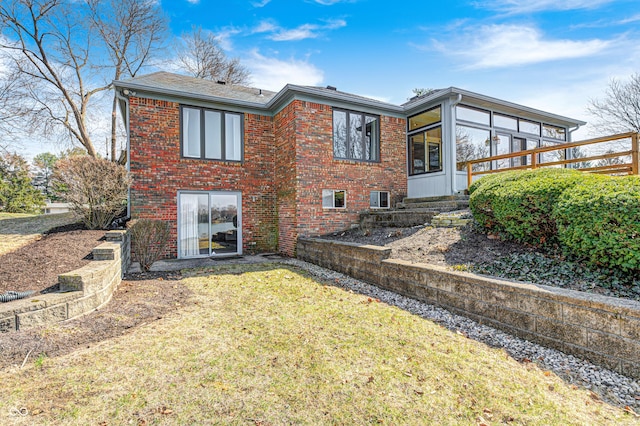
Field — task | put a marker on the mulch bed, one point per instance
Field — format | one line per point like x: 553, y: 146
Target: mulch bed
x: 436, y: 246
x: 36, y: 266
x: 140, y: 298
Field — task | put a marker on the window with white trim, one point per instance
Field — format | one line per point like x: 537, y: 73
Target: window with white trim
x: 334, y: 199
x: 379, y: 200
x: 211, y: 134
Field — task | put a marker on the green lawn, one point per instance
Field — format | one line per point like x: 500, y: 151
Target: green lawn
x: 19, y: 229
x: 268, y: 345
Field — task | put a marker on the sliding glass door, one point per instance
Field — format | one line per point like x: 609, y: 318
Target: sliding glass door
x: 209, y: 224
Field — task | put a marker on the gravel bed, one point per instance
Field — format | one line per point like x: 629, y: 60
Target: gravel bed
x: 610, y: 386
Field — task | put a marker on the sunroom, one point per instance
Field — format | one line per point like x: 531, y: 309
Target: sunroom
x: 447, y: 128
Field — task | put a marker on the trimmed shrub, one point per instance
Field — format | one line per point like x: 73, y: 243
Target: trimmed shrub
x: 599, y: 221
x: 482, y: 194
x: 148, y: 241
x: 518, y: 206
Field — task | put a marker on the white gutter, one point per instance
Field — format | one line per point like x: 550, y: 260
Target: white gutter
x: 125, y: 114
x: 453, y: 144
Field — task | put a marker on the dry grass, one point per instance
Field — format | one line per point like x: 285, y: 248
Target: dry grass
x: 267, y: 345
x: 17, y: 229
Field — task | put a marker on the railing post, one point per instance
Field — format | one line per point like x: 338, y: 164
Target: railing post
x: 634, y: 154
x: 534, y: 160
x: 469, y: 175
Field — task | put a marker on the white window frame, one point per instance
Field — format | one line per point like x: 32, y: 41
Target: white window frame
x: 332, y: 192
x: 378, y: 196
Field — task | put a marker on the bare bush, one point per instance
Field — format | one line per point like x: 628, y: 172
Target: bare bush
x: 148, y: 240
x: 95, y: 187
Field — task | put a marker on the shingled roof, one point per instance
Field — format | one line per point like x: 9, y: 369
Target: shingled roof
x: 176, y: 83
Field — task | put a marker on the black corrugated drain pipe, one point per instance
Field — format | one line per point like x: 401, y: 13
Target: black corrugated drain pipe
x: 14, y: 295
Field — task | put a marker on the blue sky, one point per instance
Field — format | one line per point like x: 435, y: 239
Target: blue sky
x: 549, y: 54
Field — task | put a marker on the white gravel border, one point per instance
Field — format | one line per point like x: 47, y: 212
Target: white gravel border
x: 612, y: 387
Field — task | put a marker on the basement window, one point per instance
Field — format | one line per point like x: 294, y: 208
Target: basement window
x: 334, y: 199
x: 379, y: 200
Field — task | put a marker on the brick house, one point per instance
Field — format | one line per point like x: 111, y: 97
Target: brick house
x: 234, y: 168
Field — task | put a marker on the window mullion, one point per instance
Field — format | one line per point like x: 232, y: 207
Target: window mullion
x: 203, y: 153
x: 363, y: 133
x: 349, y: 142
x: 223, y: 143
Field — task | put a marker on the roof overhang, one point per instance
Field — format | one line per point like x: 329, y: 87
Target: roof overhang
x: 179, y: 95
x: 488, y: 102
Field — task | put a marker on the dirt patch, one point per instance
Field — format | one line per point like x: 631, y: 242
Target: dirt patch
x: 36, y: 266
x: 437, y: 246
x: 139, y: 299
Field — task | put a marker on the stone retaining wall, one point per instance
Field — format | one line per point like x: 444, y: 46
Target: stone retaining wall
x: 603, y: 330
x: 81, y: 291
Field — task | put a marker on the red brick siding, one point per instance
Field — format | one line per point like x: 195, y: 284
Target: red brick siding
x: 159, y: 172
x: 286, y: 185
x: 318, y: 170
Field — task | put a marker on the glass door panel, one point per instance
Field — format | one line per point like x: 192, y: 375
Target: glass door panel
x: 194, y: 225
x: 518, y: 144
x: 224, y: 223
x: 209, y: 224
x: 501, y: 145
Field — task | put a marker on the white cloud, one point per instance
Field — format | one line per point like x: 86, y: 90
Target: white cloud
x: 301, y: 32
x: 262, y: 3
x: 524, y: 6
x: 193, y: 1
x: 497, y: 46
x: 330, y: 2
x: 631, y: 19
x: 274, y: 74
x: 223, y: 37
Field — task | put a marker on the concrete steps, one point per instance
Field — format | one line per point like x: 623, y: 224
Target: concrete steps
x: 414, y: 211
x: 448, y: 203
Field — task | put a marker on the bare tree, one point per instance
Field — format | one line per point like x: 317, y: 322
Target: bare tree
x: 131, y: 31
x: 201, y: 56
x: 619, y: 110
x: 62, y: 54
x: 47, y: 50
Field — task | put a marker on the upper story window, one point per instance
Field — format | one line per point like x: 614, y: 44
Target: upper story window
x: 211, y: 134
x: 473, y: 115
x: 425, y: 142
x: 425, y: 118
x: 356, y: 136
x: 554, y: 132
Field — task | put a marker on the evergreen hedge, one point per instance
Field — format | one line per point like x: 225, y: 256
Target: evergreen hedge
x: 599, y: 220
x: 591, y: 217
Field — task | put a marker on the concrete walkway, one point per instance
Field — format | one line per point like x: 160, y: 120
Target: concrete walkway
x: 178, y: 264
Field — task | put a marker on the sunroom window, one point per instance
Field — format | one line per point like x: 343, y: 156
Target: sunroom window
x: 211, y: 134
x: 425, y: 141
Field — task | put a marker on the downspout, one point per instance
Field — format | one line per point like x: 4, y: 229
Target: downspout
x: 569, y: 138
x: 567, y: 153
x: 452, y: 141
x: 125, y: 114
